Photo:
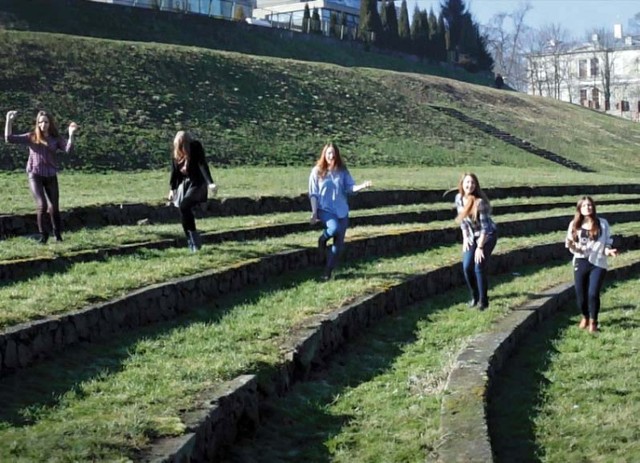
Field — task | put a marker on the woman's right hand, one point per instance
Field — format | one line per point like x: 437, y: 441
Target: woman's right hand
x: 170, y: 196
x: 466, y: 245
x: 11, y: 115
x: 314, y: 219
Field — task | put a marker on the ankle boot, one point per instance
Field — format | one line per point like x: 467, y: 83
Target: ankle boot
x: 195, y: 240
x: 57, y: 235
x: 44, y: 237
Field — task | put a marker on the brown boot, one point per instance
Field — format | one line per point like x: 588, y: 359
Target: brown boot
x: 583, y: 323
x: 593, y: 326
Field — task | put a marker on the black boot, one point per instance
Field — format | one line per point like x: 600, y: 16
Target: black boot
x: 57, y: 235
x: 44, y: 237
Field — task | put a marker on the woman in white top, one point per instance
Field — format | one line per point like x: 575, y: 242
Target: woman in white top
x: 589, y: 239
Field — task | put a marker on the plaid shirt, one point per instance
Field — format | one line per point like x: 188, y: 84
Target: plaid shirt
x: 42, y: 158
x: 472, y: 229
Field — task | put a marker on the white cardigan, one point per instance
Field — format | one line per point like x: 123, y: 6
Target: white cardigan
x: 593, y: 250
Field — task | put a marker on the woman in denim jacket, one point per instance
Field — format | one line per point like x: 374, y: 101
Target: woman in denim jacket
x: 330, y: 183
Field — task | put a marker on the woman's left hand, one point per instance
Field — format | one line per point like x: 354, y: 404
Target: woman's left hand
x: 610, y: 252
x: 72, y: 128
x: 479, y: 255
x: 213, y: 188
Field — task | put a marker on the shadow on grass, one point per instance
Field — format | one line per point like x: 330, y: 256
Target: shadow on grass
x: 29, y: 393
x: 298, y: 426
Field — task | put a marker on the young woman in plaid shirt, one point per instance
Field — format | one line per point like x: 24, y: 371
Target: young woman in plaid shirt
x: 479, y: 234
x: 44, y: 141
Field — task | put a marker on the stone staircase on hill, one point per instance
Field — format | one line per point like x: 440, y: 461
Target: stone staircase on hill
x: 512, y: 140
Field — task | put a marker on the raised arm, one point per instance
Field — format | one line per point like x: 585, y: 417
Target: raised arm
x: 8, y: 126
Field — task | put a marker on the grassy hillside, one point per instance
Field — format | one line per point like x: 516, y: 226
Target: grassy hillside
x: 130, y: 98
x: 91, y: 19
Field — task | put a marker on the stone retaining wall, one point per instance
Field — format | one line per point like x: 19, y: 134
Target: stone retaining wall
x: 129, y: 214
x: 23, y: 344
x: 315, y: 342
x: 464, y: 425
x: 22, y: 268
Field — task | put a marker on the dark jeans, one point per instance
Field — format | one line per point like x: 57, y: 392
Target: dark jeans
x: 192, y: 197
x: 47, y: 196
x: 588, y: 280
x: 476, y: 274
x: 336, y: 228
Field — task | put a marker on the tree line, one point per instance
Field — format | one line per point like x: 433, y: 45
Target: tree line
x: 450, y: 36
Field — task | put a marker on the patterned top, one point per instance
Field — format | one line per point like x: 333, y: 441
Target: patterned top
x: 42, y: 158
x: 332, y: 191
x: 586, y: 248
x: 472, y: 229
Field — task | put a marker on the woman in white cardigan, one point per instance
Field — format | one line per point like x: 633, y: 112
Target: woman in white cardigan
x: 589, y: 239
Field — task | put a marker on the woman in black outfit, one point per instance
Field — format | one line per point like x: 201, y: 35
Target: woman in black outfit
x: 190, y: 182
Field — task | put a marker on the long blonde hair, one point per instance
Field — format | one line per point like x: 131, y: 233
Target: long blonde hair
x: 470, y: 209
x: 181, y: 146
x: 37, y: 136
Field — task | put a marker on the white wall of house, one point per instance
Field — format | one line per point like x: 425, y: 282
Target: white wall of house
x: 581, y: 75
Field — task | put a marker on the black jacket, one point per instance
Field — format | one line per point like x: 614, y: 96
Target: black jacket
x: 197, y: 170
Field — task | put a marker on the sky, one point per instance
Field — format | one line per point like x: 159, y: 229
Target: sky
x: 577, y: 16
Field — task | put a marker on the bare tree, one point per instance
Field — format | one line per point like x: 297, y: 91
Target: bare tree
x: 505, y: 33
x: 604, y: 52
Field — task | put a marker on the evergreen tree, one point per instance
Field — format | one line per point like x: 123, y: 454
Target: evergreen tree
x: 333, y: 24
x: 384, y: 39
x: 404, y: 30
x: 306, y: 18
x: 316, y: 26
x: 443, y: 44
x: 392, y: 21
x: 416, y: 31
x: 454, y: 12
x: 370, y: 25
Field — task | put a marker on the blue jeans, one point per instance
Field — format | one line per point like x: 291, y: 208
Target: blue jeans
x: 588, y: 280
x: 476, y: 274
x: 335, y: 228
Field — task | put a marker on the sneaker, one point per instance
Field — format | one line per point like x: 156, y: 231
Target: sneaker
x: 326, y: 276
x: 472, y: 303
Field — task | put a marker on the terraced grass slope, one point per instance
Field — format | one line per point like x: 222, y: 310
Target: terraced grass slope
x: 130, y: 98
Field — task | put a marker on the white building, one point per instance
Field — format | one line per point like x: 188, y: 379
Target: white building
x: 603, y: 74
x: 217, y: 8
x: 289, y: 13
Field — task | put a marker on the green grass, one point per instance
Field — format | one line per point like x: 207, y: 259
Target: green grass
x: 572, y: 396
x: 110, y: 401
x: 114, y: 236
x: 79, y: 188
x: 263, y: 111
x: 88, y: 282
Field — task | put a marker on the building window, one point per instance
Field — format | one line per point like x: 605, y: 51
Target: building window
x: 582, y: 68
x: 583, y: 97
x: 595, y: 97
x: 594, y: 66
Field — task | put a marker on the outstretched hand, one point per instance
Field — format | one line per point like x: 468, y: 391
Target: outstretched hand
x: 11, y: 115
x: 72, y: 128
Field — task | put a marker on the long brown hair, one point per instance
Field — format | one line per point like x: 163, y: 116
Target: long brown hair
x: 37, y: 136
x: 323, y: 165
x: 578, y: 219
x: 473, y: 199
x: 181, y: 146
